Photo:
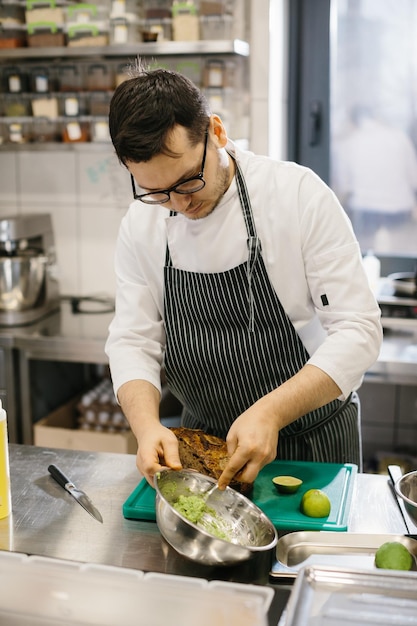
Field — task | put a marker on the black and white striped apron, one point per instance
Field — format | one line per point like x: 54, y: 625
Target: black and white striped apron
x: 229, y: 342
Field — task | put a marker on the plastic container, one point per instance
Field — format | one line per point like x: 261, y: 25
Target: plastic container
x: 5, y: 494
x: 40, y: 80
x: 99, y: 104
x: 45, y: 35
x: 185, y: 22
x: 99, y: 77
x: 87, y: 24
x: 216, y: 8
x: 45, y: 107
x: 11, y: 13
x: 16, y: 106
x: 124, y: 30
x: 122, y: 74
x: 157, y: 10
x: 50, y: 13
x: 191, y: 68
x: 73, y: 104
x: 12, y: 35
x: 86, y: 13
x: 45, y: 130
x: 70, y: 78
x: 15, y: 80
x: 75, y: 132
x: 214, y: 73
x: 66, y: 593
x: 216, y: 27
x: 91, y: 34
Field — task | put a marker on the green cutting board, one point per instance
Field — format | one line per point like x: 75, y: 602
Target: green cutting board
x: 336, y: 480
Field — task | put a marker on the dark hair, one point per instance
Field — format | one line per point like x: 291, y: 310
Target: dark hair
x: 145, y: 108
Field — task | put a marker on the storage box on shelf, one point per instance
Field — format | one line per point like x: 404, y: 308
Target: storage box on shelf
x: 87, y: 422
x: 185, y: 23
x: 44, y: 23
x: 125, y: 20
x: 43, y: 11
x: 12, y: 35
x: 45, y: 35
x: 87, y: 24
x: 12, y: 14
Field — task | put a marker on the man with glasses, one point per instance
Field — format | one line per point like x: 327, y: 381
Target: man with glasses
x: 242, y: 278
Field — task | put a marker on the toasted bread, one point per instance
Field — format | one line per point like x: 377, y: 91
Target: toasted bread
x: 206, y: 454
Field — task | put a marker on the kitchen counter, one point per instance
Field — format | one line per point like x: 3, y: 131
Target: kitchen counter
x: 47, y: 521
x: 69, y: 337
x: 66, y: 336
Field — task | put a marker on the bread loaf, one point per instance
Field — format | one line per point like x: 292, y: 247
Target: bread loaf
x: 206, y: 454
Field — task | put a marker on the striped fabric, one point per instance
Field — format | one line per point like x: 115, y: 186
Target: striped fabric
x: 230, y: 342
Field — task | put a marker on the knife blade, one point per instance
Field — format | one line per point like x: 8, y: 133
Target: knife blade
x: 79, y: 495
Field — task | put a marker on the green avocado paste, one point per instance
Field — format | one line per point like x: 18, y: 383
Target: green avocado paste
x: 191, y: 507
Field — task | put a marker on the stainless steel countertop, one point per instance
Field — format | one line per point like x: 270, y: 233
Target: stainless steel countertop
x: 397, y: 361
x: 47, y: 521
x: 61, y: 336
x: 64, y: 336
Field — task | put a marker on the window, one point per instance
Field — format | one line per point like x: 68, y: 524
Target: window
x: 373, y: 120
x: 352, y: 114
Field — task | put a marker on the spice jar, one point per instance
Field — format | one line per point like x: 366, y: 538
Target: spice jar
x: 40, y: 80
x: 75, y: 132
x: 15, y: 80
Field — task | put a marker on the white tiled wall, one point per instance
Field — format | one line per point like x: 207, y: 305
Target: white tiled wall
x: 87, y: 192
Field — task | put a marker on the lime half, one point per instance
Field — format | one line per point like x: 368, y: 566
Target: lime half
x: 287, y: 484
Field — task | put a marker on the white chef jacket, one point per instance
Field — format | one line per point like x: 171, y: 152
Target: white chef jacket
x: 310, y: 252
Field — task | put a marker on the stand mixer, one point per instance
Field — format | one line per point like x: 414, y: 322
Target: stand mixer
x: 28, y: 285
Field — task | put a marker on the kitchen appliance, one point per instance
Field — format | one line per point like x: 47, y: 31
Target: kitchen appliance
x: 28, y: 284
x: 398, y: 310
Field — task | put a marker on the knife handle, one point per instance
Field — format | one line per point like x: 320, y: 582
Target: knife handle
x: 60, y: 478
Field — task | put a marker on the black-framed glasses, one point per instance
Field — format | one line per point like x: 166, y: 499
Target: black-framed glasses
x: 189, y: 185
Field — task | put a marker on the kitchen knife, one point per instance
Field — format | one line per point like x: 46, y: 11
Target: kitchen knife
x: 79, y: 495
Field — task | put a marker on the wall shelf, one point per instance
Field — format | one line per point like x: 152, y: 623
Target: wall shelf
x: 166, y: 48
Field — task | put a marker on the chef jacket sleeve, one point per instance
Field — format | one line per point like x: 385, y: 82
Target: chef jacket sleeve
x: 136, y: 335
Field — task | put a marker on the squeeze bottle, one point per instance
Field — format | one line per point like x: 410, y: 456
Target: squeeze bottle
x: 372, y: 267
x: 5, y: 495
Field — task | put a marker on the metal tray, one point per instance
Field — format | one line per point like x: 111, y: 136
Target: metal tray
x: 346, y: 550
x: 324, y: 596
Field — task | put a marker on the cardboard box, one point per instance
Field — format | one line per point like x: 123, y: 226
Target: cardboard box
x: 60, y: 429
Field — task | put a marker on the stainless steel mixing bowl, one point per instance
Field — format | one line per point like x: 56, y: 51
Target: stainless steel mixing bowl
x: 21, y: 280
x: 246, y: 528
x: 406, y: 488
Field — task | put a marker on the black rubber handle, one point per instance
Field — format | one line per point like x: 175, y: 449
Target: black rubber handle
x: 56, y: 473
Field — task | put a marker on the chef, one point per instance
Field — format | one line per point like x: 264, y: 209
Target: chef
x: 242, y: 277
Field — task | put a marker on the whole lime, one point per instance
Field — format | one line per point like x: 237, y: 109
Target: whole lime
x: 287, y: 484
x: 315, y: 503
x: 393, y: 555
